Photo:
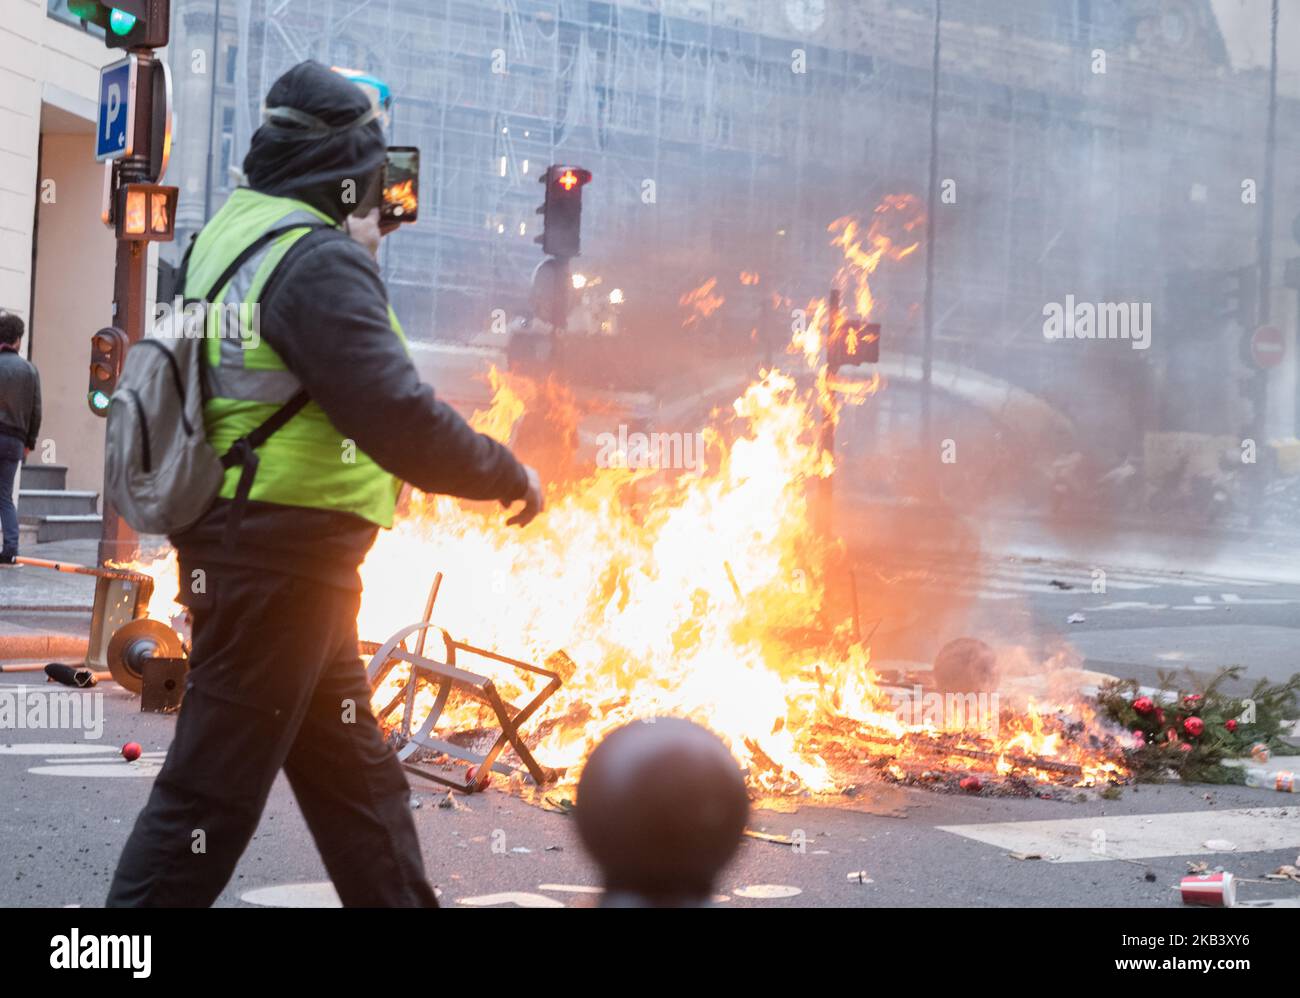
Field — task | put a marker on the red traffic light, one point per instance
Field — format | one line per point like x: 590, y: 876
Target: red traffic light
x: 569, y: 177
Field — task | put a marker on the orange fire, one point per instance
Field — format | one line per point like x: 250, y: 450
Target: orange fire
x: 403, y: 194
x: 698, y: 592
x: 702, y: 302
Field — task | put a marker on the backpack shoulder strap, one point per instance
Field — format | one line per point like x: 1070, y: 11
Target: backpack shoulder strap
x: 252, y: 249
x: 243, y: 453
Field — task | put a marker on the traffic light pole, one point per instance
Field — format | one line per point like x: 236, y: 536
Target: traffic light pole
x: 118, y: 542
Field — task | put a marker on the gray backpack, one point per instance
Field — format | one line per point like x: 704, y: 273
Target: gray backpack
x: 161, y: 473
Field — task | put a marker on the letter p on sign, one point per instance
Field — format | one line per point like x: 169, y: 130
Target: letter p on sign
x: 113, y: 137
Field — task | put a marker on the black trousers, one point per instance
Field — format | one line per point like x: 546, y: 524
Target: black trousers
x: 275, y: 683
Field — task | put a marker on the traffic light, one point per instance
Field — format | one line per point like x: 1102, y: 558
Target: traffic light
x: 562, y: 211
x: 128, y: 24
x: 853, y: 343
x: 107, y: 352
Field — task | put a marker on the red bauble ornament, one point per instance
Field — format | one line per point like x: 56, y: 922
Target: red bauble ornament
x: 1160, y: 715
x: 971, y: 783
x: 131, y: 751
x: 1230, y: 724
x: 1192, y: 699
x: 1184, y: 747
x: 472, y: 772
x: 1194, y: 726
x: 1143, y: 705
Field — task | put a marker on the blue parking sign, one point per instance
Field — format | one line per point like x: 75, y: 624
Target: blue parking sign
x: 115, y: 131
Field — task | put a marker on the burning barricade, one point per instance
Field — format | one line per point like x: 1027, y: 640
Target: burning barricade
x: 702, y: 594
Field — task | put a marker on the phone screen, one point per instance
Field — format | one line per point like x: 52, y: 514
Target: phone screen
x: 401, y: 185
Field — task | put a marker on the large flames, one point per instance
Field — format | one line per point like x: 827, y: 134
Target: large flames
x: 699, y: 592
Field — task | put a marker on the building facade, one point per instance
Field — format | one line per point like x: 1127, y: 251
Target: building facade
x: 56, y: 256
x: 1092, y: 148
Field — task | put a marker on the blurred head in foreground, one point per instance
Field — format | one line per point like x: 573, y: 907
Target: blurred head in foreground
x: 661, y: 808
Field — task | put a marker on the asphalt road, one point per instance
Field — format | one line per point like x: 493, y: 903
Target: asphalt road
x: 65, y: 820
x: 69, y: 802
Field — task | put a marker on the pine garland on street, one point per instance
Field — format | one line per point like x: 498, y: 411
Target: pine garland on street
x: 1190, y: 734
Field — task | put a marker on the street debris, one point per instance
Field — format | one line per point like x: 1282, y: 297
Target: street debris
x: 1283, y: 781
x: 784, y: 840
x: 966, y: 665
x: 1211, y: 890
x: 860, y: 877
x: 71, y: 675
x: 1075, y: 618
x: 453, y: 803
x: 1219, y: 845
x: 1061, y: 585
x: 393, y: 687
x: 1286, y: 872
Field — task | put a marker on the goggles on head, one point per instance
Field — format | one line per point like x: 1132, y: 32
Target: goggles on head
x: 309, y: 126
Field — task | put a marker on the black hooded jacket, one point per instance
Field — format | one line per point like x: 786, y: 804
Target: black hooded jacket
x: 327, y: 318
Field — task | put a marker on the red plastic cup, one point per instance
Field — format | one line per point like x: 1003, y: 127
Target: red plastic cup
x: 1213, y: 890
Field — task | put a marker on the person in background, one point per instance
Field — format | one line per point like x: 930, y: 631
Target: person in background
x: 20, y: 422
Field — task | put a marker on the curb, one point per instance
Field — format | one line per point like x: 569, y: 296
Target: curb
x: 42, y: 646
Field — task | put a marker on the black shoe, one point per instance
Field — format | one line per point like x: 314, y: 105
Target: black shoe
x: 7, y: 559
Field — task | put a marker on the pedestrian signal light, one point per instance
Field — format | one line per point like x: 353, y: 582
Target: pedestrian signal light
x: 147, y: 213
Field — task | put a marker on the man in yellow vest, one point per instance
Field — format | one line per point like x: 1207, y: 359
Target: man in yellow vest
x: 270, y: 571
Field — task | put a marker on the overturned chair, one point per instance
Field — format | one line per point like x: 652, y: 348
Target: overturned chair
x: 444, y: 675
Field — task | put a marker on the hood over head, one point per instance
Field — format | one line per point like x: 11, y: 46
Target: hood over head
x: 289, y: 158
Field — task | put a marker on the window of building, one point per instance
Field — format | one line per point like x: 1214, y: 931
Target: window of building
x: 227, y: 146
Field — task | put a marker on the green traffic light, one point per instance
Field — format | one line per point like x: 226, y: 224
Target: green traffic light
x: 121, y: 22
x: 99, y: 402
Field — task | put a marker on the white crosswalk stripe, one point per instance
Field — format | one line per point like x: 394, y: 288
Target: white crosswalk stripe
x: 1007, y: 580
x: 1142, y: 836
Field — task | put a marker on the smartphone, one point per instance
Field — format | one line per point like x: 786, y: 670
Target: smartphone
x: 401, y: 201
